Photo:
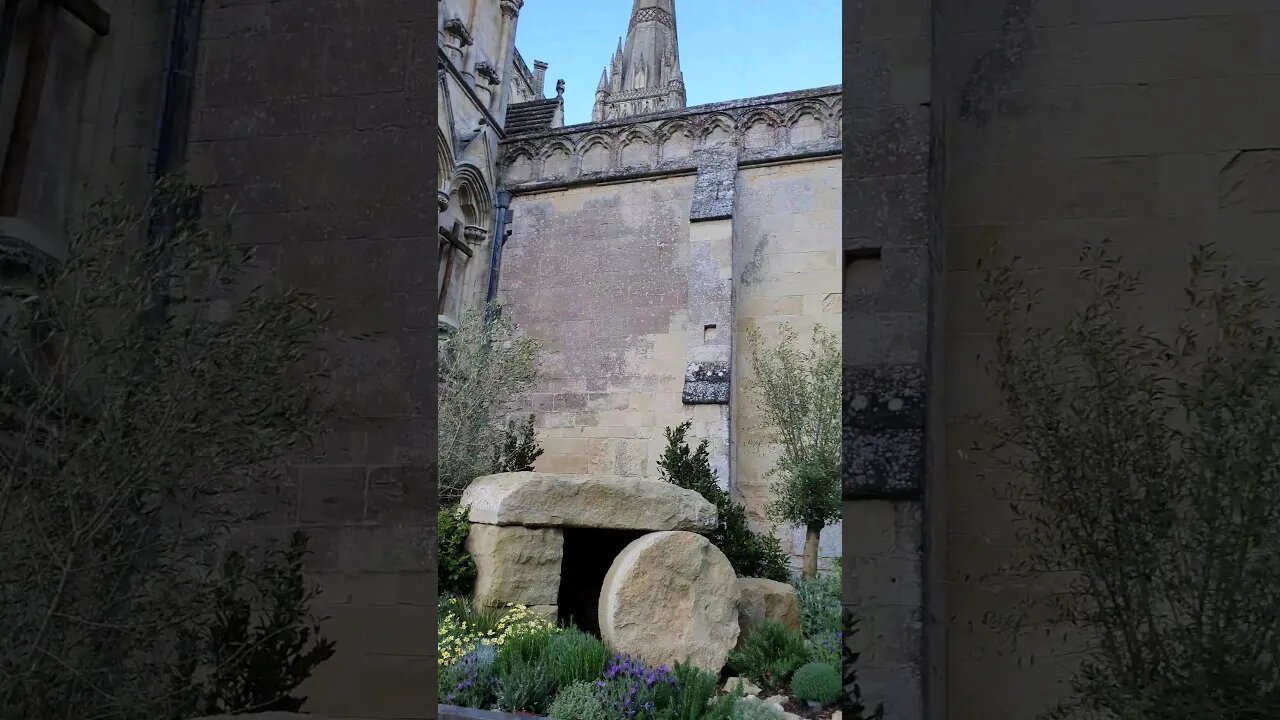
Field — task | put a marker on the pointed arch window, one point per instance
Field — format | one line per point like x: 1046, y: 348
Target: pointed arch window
x: 472, y: 220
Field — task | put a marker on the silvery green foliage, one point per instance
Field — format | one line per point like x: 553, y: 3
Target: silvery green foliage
x: 1145, y: 485
x: 486, y: 364
x: 798, y: 393
x: 143, y: 388
x: 483, y: 655
x: 753, y: 709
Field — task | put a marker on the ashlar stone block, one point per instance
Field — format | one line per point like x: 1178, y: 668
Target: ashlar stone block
x: 516, y: 565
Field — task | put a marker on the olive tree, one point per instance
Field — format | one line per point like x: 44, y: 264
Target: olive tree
x: 798, y: 392
x: 144, y: 390
x: 1146, y: 474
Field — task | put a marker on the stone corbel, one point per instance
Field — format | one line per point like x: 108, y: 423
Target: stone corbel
x: 456, y: 37
x: 475, y: 234
x: 485, y: 90
x: 442, y: 200
x: 486, y: 72
x: 511, y: 8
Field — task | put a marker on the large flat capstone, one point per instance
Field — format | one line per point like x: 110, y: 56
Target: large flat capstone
x: 587, y: 501
x: 671, y: 597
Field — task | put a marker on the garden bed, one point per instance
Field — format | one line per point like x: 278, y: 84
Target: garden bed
x: 532, y: 667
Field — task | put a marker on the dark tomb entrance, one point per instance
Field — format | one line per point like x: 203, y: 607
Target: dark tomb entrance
x: 588, y: 554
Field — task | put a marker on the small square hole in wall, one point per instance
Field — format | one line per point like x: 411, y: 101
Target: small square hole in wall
x: 708, y: 333
x: 863, y: 273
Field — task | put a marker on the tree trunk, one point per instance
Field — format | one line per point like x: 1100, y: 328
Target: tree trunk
x: 810, y: 569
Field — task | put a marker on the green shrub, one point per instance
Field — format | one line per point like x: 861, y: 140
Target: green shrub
x: 852, y: 704
x: 744, y: 709
x: 525, y: 685
x: 770, y: 654
x: 819, y: 682
x: 519, y: 448
x: 577, y: 701
x: 751, y: 554
x: 523, y: 649
x: 575, y: 656
x: 455, y: 567
x: 262, y: 640
x: 695, y: 689
x: 820, y: 616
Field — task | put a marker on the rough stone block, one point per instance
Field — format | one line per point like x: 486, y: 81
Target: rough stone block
x: 884, y: 397
x: 516, y: 565
x: 706, y: 383
x: 761, y: 599
x: 713, y: 190
x: 883, y: 464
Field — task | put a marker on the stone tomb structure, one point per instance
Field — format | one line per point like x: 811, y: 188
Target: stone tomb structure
x: 618, y: 557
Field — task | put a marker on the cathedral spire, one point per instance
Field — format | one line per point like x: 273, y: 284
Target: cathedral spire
x: 644, y: 75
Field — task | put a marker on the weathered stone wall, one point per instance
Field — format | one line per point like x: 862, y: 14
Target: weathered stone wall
x: 886, y: 234
x: 1142, y: 121
x: 98, y: 113
x: 597, y: 275
x: 786, y: 270
x: 312, y: 119
x: 635, y: 251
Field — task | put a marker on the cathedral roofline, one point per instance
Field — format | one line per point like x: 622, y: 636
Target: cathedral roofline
x: 775, y: 98
x: 798, y: 126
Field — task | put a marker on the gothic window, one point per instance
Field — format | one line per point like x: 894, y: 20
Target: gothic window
x: 458, y: 242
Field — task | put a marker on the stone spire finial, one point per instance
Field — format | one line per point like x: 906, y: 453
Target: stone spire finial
x: 644, y: 75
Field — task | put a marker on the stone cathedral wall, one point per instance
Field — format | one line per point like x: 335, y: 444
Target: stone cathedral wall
x: 639, y: 250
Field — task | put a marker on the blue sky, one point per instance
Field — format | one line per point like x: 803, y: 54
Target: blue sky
x: 722, y: 46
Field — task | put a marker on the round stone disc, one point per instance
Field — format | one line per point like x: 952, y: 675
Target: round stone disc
x: 671, y: 596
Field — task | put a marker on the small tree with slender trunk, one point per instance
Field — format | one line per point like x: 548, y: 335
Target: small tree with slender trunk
x: 1146, y: 475
x: 799, y: 393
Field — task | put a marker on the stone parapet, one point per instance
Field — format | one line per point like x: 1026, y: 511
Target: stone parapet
x: 771, y: 128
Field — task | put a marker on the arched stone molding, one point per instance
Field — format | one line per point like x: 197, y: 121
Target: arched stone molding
x: 519, y: 165
x: 769, y: 128
x: 761, y: 128
x: 676, y: 141
x: 556, y: 158
x: 474, y: 200
x: 596, y: 153
x: 718, y: 129
x: 444, y: 170
x: 808, y: 123
x: 638, y: 148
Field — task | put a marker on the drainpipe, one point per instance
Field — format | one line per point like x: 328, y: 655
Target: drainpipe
x: 502, y: 217
x: 8, y: 21
x: 176, y: 93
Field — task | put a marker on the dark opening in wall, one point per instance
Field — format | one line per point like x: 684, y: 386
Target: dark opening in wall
x: 588, y: 554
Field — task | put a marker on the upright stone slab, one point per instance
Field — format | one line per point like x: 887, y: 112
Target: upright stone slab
x: 516, y: 565
x: 586, y: 501
x: 671, y: 597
